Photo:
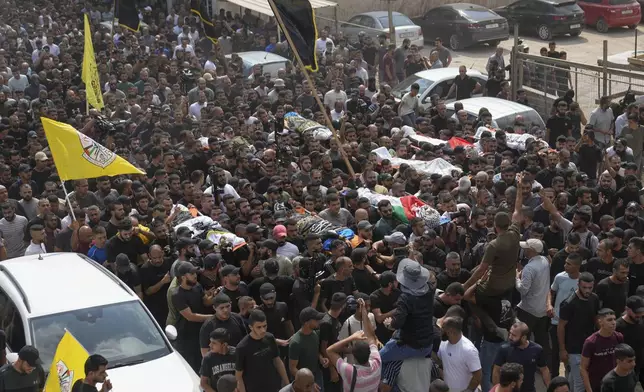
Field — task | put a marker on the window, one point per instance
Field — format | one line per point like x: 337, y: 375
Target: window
x: 399, y: 20
x: 405, y: 86
x: 442, y: 88
x: 621, y: 2
x: 11, y: 323
x: 368, y: 21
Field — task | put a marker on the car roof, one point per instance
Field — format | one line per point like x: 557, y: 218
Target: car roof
x: 463, y: 6
x: 258, y: 57
x: 498, y: 107
x: 378, y: 14
x: 442, y: 73
x: 59, y: 282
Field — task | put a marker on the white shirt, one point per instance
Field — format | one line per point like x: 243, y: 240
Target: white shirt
x: 620, y: 122
x: 331, y: 97
x: 209, y: 66
x: 320, y: 44
x: 35, y: 249
x: 228, y: 190
x: 188, y: 49
x: 460, y: 360
x: 195, y: 109
x: 350, y: 326
x: 288, y: 250
x: 362, y: 74
x: 54, y: 49
x: 174, y: 19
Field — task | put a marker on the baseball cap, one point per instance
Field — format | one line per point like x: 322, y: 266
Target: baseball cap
x: 633, y: 206
x: 229, y: 270
x: 243, y: 183
x: 30, y: 355
x: 24, y: 168
x: 224, y: 218
x: 279, y: 231
x: 40, y: 156
x: 338, y: 299
x: 616, y: 232
x: 364, y: 225
x: 206, y: 245
x: 122, y: 262
x: 211, y: 261
x: 186, y: 268
x: 586, y: 210
x: 32, y: 134
x: 253, y: 228
x: 397, y: 238
x: 533, y: 244
x: 270, y: 244
x: 184, y: 242
x: 635, y: 303
x: 308, y: 314
x: 221, y: 299
x: 267, y: 291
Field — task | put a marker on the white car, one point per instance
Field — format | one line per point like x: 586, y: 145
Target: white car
x: 270, y: 62
x: 434, y: 81
x: 503, y: 112
x: 42, y: 296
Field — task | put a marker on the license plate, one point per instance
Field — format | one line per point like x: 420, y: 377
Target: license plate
x: 407, y: 35
x: 627, y: 12
x: 575, y: 26
x: 492, y: 26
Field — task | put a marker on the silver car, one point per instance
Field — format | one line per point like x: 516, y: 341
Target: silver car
x: 377, y: 22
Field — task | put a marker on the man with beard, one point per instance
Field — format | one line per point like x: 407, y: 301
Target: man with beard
x: 606, y: 195
x: 636, y: 258
x: 387, y: 223
x: 155, y: 280
x: 510, y: 379
x: 117, y: 212
x: 185, y: 247
x: 526, y: 353
x: 125, y: 242
x: 613, y: 290
x: 191, y: 302
x: 453, y: 272
x: 277, y: 317
x: 631, y: 219
x: 558, y: 125
x: 631, y: 327
x: 224, y: 318
x: 283, y: 283
x: 95, y: 373
x: 233, y: 287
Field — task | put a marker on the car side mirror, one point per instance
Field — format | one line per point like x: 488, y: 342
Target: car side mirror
x: 171, y: 332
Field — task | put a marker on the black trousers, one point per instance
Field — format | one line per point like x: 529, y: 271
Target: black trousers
x: 189, y: 350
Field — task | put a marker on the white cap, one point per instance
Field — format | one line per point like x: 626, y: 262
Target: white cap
x: 533, y: 243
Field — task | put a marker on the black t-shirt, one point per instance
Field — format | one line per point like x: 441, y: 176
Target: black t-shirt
x: 558, y: 126
x: 438, y: 122
x: 580, y: 315
x: 634, y: 337
x: 132, y: 248
x: 215, y: 365
x: 531, y: 358
x: 283, y: 287
x: 598, y: 268
x: 589, y: 158
x: 331, y: 286
x: 386, y: 303
x: 242, y: 291
x: 493, y: 87
x: 635, y: 277
x: 443, y: 280
x: 612, y: 295
x: 464, y: 87
x: 188, y: 298
x: 435, y: 259
x: 276, y: 316
x: 255, y: 359
x: 12, y: 381
x: 330, y: 329
x: 151, y: 275
x: 80, y: 386
x: 234, y: 325
x: 130, y: 277
x: 612, y: 382
x: 364, y: 281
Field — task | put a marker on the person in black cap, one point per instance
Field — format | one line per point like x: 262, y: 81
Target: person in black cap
x: 128, y: 273
x: 155, y: 281
x: 283, y: 284
x: 185, y: 247
x: 209, y: 276
x: 206, y: 247
x: 304, y: 346
x: 219, y: 361
x: 95, y: 372
x: 126, y: 242
x: 616, y: 234
x: 192, y: 303
x: 330, y: 327
x: 631, y: 219
x: 631, y: 327
x: 232, y: 285
x: 278, y: 319
x: 26, y: 374
x: 224, y: 318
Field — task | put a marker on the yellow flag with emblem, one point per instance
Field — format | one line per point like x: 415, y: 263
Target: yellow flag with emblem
x: 78, y: 156
x: 67, y: 366
x: 93, y: 90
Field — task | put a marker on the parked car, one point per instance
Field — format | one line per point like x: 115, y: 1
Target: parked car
x: 463, y: 24
x: 377, y: 22
x: 270, y: 62
x: 604, y: 14
x: 434, y: 81
x: 71, y: 292
x: 503, y: 112
x: 546, y: 18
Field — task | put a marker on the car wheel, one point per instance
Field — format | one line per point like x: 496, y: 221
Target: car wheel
x: 601, y: 25
x: 495, y: 43
x: 544, y: 32
x: 632, y: 27
x: 455, y: 42
x: 575, y: 33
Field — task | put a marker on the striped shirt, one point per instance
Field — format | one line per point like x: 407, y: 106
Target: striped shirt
x: 13, y: 233
x: 368, y: 376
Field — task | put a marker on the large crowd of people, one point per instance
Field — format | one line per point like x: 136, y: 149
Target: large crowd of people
x: 313, y: 280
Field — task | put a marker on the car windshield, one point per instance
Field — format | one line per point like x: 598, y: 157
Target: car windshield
x: 478, y: 14
x: 621, y: 2
x: 123, y: 333
x: 405, y: 86
x: 399, y: 20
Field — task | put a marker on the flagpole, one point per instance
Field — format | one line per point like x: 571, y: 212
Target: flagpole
x: 71, y: 209
x: 314, y: 90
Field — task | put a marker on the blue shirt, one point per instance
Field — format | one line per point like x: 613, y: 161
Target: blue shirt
x: 99, y: 255
x: 531, y: 358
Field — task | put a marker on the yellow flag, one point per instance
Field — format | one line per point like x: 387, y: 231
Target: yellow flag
x: 93, y: 90
x: 67, y: 366
x: 78, y: 156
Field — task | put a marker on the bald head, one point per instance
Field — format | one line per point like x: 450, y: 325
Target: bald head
x: 304, y: 380
x: 361, y: 214
x: 85, y: 234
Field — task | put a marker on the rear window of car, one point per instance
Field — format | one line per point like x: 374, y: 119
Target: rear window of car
x: 399, y: 20
x: 621, y: 2
x: 567, y: 7
x: 481, y: 14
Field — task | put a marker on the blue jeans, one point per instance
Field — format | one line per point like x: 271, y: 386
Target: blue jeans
x: 319, y: 379
x: 574, y: 373
x: 488, y: 355
x: 392, y: 351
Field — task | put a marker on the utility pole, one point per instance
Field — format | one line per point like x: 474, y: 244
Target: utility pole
x: 392, y: 29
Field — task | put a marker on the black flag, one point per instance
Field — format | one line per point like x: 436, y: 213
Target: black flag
x: 298, y: 19
x: 198, y: 7
x: 127, y: 14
